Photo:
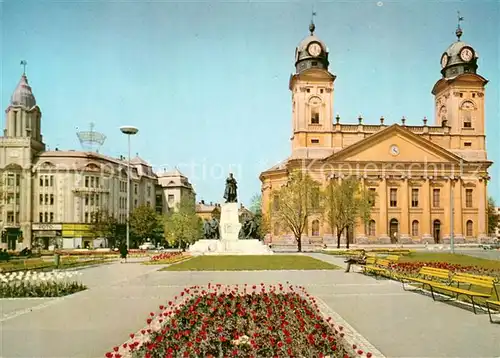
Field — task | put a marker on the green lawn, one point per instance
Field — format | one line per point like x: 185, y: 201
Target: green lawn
x: 250, y: 263
x: 460, y: 259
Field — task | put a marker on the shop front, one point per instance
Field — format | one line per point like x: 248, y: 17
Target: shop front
x: 46, y: 236
x: 77, y: 236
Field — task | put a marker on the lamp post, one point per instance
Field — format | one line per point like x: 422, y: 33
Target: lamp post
x: 129, y: 131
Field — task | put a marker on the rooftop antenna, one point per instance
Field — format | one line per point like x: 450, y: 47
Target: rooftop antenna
x: 459, y: 31
x: 91, y: 138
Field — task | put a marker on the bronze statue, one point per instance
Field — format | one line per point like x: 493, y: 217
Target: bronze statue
x: 211, y: 229
x: 248, y: 230
x: 230, y: 193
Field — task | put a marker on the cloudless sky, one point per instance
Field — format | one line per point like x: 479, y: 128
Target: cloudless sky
x: 206, y: 82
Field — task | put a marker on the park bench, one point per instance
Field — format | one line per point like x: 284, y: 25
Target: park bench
x: 492, y: 303
x: 392, y: 258
x: 379, y: 266
x: 430, y: 276
x: 474, y: 282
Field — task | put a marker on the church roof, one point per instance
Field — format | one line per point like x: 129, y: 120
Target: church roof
x: 23, y: 96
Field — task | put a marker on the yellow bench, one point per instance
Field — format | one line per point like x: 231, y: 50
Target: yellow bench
x: 428, y: 276
x: 472, y: 281
x: 493, y: 303
x: 392, y: 258
x: 377, y: 265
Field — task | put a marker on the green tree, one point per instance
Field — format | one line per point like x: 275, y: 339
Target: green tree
x: 145, y: 222
x: 294, y: 202
x: 105, y: 225
x: 344, y: 203
x: 493, y: 216
x: 259, y: 218
x: 183, y: 226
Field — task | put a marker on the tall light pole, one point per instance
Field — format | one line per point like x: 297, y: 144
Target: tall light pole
x: 129, y: 131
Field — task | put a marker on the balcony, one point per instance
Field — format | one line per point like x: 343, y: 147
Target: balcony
x: 87, y: 190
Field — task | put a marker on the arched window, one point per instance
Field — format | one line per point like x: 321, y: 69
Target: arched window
x: 315, y: 228
x: 276, y: 202
x: 371, y: 228
x: 315, y: 105
x: 414, y: 228
x: 469, y: 228
x: 276, y: 230
x: 466, y: 110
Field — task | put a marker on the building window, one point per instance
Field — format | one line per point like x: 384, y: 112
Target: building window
x: 86, y: 182
x: 414, y: 228
x: 315, y: 116
x: 51, y: 180
x: 46, y: 217
x: 46, y: 180
x: 51, y: 217
x: 41, y: 199
x: 315, y: 141
x: 46, y: 199
x: 393, y: 197
x: 371, y: 228
x: 86, y: 200
x: 468, y: 198
x: 308, y: 90
x: 414, y: 198
x: 467, y: 144
x: 41, y: 181
x: 467, y: 119
x: 135, y: 203
x: 315, y: 228
x: 135, y: 188
x: 436, y: 195
x: 51, y: 199
x: 148, y: 190
x: 92, y: 200
x: 97, y: 182
x: 40, y: 217
x: 469, y: 228
x: 321, y: 90
x: 170, y: 198
x: 91, y: 182
x: 10, y: 217
x: 372, y: 194
x: 86, y: 217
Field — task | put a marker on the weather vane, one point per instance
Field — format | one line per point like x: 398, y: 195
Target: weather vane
x: 24, y: 64
x: 459, y: 31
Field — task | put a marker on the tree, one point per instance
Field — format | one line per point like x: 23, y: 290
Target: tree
x: 493, y: 216
x: 344, y: 203
x: 183, y: 226
x: 294, y: 202
x: 105, y: 225
x: 145, y: 222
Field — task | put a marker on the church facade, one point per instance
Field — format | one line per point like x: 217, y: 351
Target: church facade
x: 425, y: 177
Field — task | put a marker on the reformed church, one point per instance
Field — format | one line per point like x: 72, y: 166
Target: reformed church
x: 417, y: 172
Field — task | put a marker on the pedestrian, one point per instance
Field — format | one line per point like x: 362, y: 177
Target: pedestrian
x: 123, y: 253
x: 360, y: 260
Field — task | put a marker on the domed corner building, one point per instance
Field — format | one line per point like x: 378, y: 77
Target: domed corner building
x: 415, y: 171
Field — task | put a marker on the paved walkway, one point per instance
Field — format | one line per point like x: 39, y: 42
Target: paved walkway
x: 87, y: 324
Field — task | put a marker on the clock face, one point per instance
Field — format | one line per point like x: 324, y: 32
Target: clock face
x: 314, y: 49
x: 466, y: 54
x: 444, y: 60
x: 394, y: 149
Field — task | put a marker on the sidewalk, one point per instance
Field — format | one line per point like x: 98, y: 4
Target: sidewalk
x: 87, y: 324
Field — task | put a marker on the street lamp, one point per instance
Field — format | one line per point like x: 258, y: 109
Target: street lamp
x: 129, y: 131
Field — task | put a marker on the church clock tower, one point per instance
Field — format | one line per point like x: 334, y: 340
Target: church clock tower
x: 312, y: 99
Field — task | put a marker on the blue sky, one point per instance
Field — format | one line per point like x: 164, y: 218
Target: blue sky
x: 207, y: 82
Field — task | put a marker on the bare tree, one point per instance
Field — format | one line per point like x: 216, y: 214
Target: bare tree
x: 293, y: 203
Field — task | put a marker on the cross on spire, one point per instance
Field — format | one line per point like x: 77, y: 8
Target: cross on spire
x: 459, y: 31
x: 312, y: 26
x: 24, y: 64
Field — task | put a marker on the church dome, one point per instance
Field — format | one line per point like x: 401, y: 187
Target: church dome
x: 23, y: 96
x: 459, y: 58
x: 311, y: 52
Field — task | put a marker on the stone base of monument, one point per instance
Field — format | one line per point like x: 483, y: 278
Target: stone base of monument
x: 239, y: 247
x: 229, y: 244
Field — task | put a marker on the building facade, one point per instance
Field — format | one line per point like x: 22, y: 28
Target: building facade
x: 417, y: 172
x: 173, y: 186
x: 50, y: 197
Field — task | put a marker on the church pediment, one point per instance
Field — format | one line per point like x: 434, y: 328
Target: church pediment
x: 395, y: 144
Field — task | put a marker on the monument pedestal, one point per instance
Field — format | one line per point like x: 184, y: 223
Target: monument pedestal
x: 229, y: 244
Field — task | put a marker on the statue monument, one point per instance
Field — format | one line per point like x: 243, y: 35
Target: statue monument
x: 229, y: 236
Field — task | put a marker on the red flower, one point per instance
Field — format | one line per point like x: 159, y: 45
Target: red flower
x: 116, y: 349
x: 368, y: 354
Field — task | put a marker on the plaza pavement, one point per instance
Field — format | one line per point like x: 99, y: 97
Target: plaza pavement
x: 89, y: 323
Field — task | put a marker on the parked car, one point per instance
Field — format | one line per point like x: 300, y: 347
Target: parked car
x: 147, y: 246
x: 494, y: 245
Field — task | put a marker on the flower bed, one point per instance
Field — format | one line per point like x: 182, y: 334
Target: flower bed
x: 167, y: 258
x: 239, y: 321
x: 39, y: 284
x: 412, y: 268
